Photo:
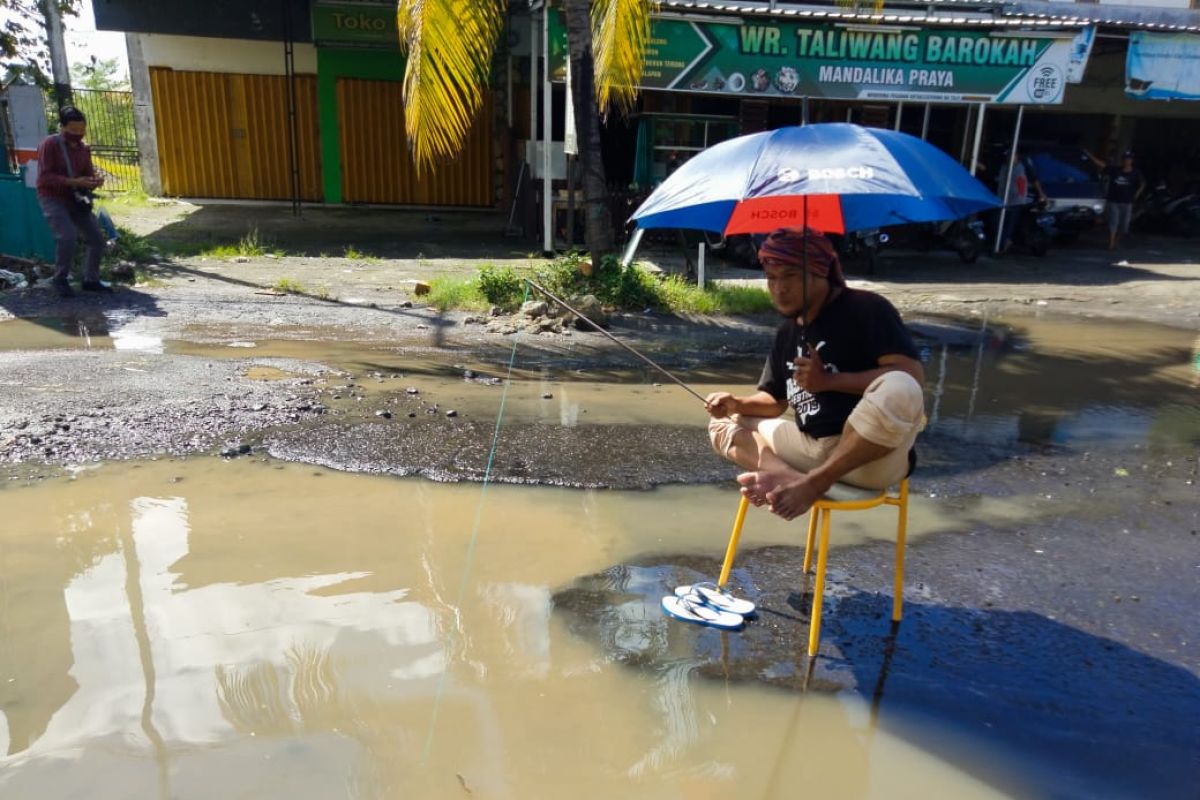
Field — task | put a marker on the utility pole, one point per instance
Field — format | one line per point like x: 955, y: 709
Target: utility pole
x: 58, y: 53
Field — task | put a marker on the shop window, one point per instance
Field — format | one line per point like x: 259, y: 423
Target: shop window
x: 665, y: 141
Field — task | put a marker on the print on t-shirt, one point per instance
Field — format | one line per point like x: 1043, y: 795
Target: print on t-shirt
x: 800, y: 399
x: 853, y: 331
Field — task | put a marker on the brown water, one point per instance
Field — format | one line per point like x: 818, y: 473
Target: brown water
x: 1036, y: 380
x: 205, y: 628
x: 248, y: 629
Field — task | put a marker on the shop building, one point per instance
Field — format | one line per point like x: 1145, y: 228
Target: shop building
x: 268, y: 100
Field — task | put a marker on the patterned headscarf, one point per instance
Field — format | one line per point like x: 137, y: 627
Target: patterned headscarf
x: 788, y: 246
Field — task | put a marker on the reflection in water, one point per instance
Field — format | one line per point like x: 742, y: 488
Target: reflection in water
x: 1044, y: 382
x: 116, y: 329
x: 279, y: 633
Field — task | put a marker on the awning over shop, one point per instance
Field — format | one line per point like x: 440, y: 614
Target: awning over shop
x: 1163, y: 66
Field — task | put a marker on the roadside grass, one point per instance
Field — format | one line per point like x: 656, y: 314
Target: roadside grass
x: 133, y: 247
x: 626, y: 288
x: 290, y: 286
x: 354, y: 254
x: 462, y: 294
x: 251, y: 245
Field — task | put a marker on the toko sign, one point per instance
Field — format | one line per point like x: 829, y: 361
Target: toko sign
x: 859, y: 62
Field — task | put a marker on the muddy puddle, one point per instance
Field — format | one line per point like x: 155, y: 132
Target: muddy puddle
x: 1039, y: 381
x: 215, y: 629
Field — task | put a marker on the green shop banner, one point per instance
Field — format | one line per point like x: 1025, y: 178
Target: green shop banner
x: 851, y: 62
x: 347, y: 22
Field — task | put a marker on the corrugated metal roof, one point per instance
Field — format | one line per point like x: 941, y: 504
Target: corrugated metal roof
x: 1026, y: 14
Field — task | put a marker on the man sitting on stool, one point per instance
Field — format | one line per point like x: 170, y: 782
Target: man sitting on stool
x: 855, y: 386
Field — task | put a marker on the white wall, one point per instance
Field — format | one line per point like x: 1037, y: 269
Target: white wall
x: 223, y: 55
x: 1148, y: 3
x: 1143, y: 3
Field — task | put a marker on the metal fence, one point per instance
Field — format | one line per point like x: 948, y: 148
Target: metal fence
x: 110, y: 133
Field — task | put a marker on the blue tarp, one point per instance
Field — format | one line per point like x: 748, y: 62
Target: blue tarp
x: 1163, y: 66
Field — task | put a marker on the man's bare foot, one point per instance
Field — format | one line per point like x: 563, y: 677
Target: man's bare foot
x: 755, y: 486
x: 786, y: 492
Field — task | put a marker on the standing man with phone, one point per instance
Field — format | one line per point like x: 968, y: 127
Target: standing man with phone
x: 66, y: 180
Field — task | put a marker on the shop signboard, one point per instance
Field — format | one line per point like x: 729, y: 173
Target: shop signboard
x: 851, y: 62
x: 1163, y: 66
x: 361, y: 22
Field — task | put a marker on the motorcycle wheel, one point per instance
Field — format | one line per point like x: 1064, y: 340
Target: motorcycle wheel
x: 968, y: 251
x: 1038, y: 243
x: 871, y: 253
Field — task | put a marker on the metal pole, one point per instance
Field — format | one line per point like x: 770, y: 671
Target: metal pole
x: 700, y: 266
x: 631, y: 248
x: 571, y: 170
x: 962, y: 155
x: 508, y: 85
x: 804, y: 110
x: 899, y: 114
x: 547, y: 200
x: 533, y: 82
x: 1012, y: 163
x: 289, y: 72
x: 925, y: 123
x: 978, y: 138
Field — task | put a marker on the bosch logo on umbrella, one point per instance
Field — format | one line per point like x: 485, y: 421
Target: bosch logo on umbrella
x: 841, y: 174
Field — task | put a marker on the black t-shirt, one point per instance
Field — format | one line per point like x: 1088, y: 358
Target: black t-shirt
x: 850, y: 334
x: 1122, y: 185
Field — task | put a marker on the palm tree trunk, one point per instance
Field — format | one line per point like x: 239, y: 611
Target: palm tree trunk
x: 598, y: 227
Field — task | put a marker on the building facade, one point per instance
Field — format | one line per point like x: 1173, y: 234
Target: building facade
x: 263, y: 100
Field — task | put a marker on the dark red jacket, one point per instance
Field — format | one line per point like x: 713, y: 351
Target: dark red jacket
x: 52, y: 170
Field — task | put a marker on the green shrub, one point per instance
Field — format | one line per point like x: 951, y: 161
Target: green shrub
x: 501, y: 287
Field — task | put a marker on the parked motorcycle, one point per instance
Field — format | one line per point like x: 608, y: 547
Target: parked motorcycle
x: 1034, y: 231
x: 861, y: 246
x: 1159, y: 212
x: 964, y: 237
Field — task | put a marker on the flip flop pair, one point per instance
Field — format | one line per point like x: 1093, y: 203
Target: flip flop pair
x: 707, y: 604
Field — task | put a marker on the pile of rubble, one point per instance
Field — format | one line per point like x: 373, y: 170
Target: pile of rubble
x: 540, y: 317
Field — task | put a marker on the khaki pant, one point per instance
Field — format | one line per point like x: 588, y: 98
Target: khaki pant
x: 891, y: 413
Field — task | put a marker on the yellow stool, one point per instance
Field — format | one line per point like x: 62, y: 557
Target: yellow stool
x: 841, y: 497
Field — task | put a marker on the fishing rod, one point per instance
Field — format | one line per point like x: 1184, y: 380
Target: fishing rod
x: 599, y: 329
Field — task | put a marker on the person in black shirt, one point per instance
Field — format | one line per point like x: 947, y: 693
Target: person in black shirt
x: 847, y: 367
x: 1125, y: 185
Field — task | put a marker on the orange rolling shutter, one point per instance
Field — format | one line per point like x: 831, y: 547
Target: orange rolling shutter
x: 224, y: 135
x: 377, y: 167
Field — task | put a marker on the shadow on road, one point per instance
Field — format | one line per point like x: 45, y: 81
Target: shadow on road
x: 327, y: 231
x: 1077, y: 715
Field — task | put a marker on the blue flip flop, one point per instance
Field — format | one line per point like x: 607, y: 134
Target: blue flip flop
x: 692, y: 608
x: 717, y: 597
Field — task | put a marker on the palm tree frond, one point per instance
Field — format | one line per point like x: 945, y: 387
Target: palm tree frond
x: 620, y: 33
x: 449, y: 44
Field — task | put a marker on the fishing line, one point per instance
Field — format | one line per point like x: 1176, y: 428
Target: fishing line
x: 462, y: 584
x: 601, y: 330
x: 487, y: 473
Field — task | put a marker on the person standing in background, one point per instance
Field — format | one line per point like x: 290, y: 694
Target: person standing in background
x: 1125, y: 186
x: 66, y: 180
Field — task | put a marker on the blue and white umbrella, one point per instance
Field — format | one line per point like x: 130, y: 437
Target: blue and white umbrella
x: 832, y: 177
